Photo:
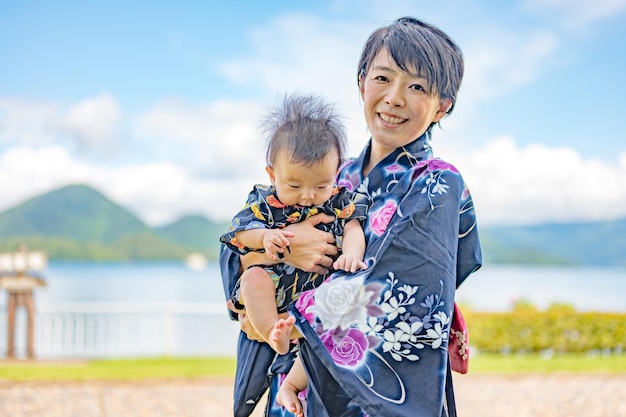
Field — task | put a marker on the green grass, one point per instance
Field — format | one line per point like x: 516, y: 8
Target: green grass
x: 119, y: 369
x: 172, y: 368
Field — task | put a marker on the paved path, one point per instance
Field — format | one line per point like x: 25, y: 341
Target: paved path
x: 477, y: 396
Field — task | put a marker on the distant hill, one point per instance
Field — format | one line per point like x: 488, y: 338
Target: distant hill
x: 194, y: 231
x: 598, y: 243
x: 76, y: 212
x: 79, y: 223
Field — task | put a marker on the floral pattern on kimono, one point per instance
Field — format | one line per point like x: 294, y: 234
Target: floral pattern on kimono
x: 375, y: 342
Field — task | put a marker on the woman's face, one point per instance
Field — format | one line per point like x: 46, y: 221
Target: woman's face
x: 398, y: 106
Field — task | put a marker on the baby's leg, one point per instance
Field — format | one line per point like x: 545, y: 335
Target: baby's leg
x: 295, y: 382
x: 258, y: 294
x: 287, y: 396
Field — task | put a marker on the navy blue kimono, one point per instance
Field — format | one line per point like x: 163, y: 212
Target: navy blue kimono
x: 375, y: 342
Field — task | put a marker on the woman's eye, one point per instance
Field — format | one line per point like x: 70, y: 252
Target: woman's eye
x: 295, y: 187
x: 418, y: 87
x: 381, y: 78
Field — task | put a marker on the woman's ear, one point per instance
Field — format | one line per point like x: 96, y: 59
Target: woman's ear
x: 444, y: 105
x: 362, y: 84
x: 270, y: 172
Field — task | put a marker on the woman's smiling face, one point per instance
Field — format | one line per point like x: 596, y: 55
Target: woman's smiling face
x: 398, y: 106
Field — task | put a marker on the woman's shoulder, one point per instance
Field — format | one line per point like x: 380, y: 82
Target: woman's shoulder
x: 438, y: 176
x: 345, y: 195
x: 437, y: 165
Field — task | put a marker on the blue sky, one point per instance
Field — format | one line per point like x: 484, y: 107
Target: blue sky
x: 156, y: 104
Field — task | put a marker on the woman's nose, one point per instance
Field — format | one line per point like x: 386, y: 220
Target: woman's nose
x: 395, y: 95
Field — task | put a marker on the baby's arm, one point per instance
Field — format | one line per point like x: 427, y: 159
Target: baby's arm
x: 272, y: 240
x: 295, y: 382
x: 353, y: 248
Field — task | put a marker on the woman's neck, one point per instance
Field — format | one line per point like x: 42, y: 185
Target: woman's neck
x: 376, y: 155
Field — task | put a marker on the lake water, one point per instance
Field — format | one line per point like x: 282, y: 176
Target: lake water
x: 492, y: 288
x: 206, y: 329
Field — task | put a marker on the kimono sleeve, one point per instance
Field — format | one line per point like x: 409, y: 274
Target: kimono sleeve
x: 254, y: 215
x: 469, y: 254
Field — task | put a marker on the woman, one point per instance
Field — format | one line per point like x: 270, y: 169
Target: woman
x: 375, y: 342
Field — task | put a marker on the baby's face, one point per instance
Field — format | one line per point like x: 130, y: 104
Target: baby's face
x: 301, y: 185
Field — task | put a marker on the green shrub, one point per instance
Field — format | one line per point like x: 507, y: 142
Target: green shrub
x: 560, y: 328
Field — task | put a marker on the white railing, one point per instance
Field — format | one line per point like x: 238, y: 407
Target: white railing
x: 112, y: 330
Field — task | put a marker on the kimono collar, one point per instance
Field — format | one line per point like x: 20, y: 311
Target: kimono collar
x: 402, y: 159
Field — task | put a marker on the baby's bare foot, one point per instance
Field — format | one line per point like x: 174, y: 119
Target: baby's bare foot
x: 279, y: 336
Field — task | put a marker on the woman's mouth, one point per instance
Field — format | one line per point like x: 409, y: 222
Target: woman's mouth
x: 392, y: 120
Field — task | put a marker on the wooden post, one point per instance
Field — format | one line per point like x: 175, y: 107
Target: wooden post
x: 29, y: 304
x: 15, y: 276
x: 21, y: 299
x: 20, y: 291
x: 11, y: 325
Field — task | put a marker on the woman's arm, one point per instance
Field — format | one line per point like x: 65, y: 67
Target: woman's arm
x: 310, y: 249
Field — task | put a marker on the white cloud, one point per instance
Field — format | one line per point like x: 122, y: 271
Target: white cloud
x: 578, y: 12
x: 510, y: 185
x: 92, y: 121
x: 304, y: 54
x: 26, y: 121
x: 26, y: 172
x: 208, y: 155
x: 217, y: 138
x: 536, y: 183
x: 157, y: 192
x: 499, y: 62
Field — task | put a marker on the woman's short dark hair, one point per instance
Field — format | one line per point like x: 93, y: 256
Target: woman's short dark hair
x: 416, y: 45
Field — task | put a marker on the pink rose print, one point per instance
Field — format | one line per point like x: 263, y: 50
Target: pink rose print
x: 379, y: 220
x: 394, y: 168
x: 435, y: 165
x: 345, y: 184
x: 349, y: 182
x: 306, y: 300
x: 439, y: 165
x: 349, y: 351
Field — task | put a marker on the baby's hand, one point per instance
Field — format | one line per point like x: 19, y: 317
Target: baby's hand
x: 349, y: 263
x: 275, y: 241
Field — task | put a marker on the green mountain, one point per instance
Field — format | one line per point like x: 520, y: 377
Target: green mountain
x: 196, y: 232
x: 78, y: 222
x: 77, y: 212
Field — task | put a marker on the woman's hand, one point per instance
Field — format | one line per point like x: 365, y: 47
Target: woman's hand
x: 311, y: 249
x: 245, y: 324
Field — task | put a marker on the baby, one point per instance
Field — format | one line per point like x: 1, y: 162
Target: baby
x: 306, y: 144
